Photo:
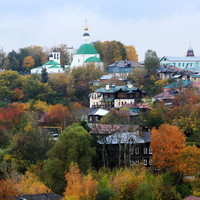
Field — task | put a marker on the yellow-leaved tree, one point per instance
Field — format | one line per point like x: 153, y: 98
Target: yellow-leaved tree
x: 28, y: 62
x: 30, y: 184
x: 79, y: 187
x: 131, y: 53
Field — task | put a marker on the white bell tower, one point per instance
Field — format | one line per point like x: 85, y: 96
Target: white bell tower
x: 55, y: 56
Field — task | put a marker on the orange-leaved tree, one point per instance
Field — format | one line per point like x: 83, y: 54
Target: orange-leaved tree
x: 78, y: 186
x: 7, y: 189
x: 167, y: 143
x: 58, y: 115
x: 189, y: 163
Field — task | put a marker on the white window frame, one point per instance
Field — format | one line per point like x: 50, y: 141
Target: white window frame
x: 150, y: 150
x: 137, y: 150
x: 145, y: 150
x: 145, y: 162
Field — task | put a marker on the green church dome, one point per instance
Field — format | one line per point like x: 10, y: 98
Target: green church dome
x: 92, y: 59
x: 87, y: 49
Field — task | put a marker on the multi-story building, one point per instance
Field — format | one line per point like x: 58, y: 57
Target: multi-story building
x: 112, y: 96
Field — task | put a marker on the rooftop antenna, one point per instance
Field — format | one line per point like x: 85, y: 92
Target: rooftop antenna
x: 190, y: 42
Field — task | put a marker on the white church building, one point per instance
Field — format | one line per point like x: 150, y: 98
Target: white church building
x: 52, y: 66
x: 86, y: 53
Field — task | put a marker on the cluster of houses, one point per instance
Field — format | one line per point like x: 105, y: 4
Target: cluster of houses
x: 125, y: 144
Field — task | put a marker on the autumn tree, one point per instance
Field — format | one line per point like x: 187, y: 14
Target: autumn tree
x: 33, y: 88
x: 151, y: 60
x: 167, y: 143
x: 58, y: 115
x: 188, y: 163
x: 64, y: 55
x: 110, y: 51
x: 77, y: 111
x: 137, y: 76
x: 116, y: 117
x: 131, y: 53
x: 73, y: 145
x: 7, y: 189
x: 36, y: 52
x: 78, y: 186
x: 29, y: 183
x: 28, y: 62
x: 23, y: 150
x: 10, y: 85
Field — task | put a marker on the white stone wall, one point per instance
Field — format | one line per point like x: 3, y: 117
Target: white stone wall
x: 118, y: 103
x: 95, y: 99
x: 78, y: 59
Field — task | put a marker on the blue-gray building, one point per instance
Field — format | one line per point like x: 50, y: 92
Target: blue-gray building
x: 121, y: 68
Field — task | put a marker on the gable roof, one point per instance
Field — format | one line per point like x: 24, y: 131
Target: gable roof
x: 125, y: 137
x: 87, y: 49
x: 123, y: 63
x: 178, y: 84
x: 114, y: 89
x: 167, y: 95
x: 97, y: 111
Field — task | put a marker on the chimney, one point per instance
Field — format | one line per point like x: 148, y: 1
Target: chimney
x: 107, y: 86
x: 129, y: 84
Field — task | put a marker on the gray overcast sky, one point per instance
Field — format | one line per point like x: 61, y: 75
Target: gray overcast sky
x: 165, y: 26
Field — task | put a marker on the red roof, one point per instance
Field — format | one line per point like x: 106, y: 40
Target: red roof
x: 192, y: 198
x: 138, y: 105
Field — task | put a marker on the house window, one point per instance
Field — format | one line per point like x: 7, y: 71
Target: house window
x: 183, y: 64
x: 137, y: 150
x: 78, y: 60
x: 145, y: 161
x: 118, y: 103
x: 150, y: 161
x: 179, y: 64
x: 137, y: 94
x: 90, y: 119
x: 145, y: 150
x: 137, y: 162
x: 150, y: 150
x: 191, y: 64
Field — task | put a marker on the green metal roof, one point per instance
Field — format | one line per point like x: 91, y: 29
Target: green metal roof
x: 51, y: 62
x: 55, y: 66
x: 178, y: 84
x: 114, y: 89
x: 92, y: 59
x: 87, y: 49
x: 38, y: 67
